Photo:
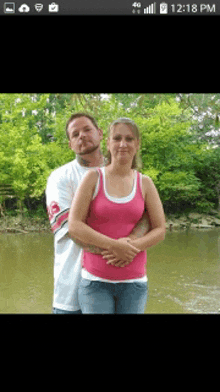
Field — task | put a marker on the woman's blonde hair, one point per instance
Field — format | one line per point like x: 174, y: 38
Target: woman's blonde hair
x: 136, y: 163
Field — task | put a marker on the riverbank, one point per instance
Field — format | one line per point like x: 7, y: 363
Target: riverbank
x: 193, y: 220
x: 23, y: 225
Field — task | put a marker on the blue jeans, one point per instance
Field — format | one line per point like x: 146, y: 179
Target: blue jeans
x: 61, y: 311
x: 97, y: 297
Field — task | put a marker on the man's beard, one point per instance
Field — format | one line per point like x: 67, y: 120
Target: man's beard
x: 88, y: 150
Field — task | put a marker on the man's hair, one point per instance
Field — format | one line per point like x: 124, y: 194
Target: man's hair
x: 77, y: 115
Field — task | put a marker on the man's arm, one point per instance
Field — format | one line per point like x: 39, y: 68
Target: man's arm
x: 59, y: 195
x: 142, y: 228
x: 157, y: 219
x: 88, y: 248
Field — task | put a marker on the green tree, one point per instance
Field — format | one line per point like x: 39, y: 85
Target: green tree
x: 176, y: 150
x: 23, y: 162
x: 168, y: 155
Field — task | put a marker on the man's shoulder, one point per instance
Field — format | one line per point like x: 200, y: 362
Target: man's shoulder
x: 63, y: 172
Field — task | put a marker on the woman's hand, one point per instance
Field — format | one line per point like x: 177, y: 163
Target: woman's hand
x: 121, y: 253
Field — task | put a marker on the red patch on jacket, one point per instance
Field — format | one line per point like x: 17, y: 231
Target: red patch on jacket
x: 53, y: 209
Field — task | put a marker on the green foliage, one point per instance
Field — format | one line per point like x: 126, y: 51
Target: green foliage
x: 179, y: 189
x: 183, y: 165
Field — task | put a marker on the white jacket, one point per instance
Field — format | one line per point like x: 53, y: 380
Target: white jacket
x: 61, y: 186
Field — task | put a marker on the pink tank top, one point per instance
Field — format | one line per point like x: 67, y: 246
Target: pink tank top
x: 115, y: 219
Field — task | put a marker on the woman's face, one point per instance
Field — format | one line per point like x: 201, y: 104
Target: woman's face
x: 122, y: 143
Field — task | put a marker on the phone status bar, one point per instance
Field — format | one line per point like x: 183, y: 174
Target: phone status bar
x: 94, y: 7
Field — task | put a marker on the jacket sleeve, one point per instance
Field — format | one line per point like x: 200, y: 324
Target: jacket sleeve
x: 59, y: 195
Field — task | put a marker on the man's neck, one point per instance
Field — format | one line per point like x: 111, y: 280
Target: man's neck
x: 91, y: 161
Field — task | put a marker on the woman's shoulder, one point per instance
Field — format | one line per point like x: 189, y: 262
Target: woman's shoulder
x: 88, y: 184
x: 90, y: 179
x: 147, y: 183
x: 91, y: 175
x: 145, y: 179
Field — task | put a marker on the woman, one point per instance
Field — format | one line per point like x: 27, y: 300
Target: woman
x: 108, y: 204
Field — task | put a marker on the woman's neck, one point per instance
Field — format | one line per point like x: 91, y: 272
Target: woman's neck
x: 120, y: 170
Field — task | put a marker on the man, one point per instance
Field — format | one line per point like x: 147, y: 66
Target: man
x: 84, y: 139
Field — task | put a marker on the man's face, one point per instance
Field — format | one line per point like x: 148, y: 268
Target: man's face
x: 84, y: 137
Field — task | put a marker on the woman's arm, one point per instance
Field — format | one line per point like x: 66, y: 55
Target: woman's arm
x: 80, y: 230
x: 156, y: 223
x: 156, y: 215
x: 79, y: 210
x: 141, y: 228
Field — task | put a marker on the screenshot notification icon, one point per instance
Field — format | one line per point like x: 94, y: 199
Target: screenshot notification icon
x: 9, y: 8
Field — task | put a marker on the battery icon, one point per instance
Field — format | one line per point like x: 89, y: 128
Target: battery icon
x: 163, y: 8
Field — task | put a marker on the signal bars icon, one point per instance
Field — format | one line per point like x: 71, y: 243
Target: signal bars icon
x: 151, y: 9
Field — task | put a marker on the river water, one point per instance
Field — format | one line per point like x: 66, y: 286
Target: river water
x: 183, y: 273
